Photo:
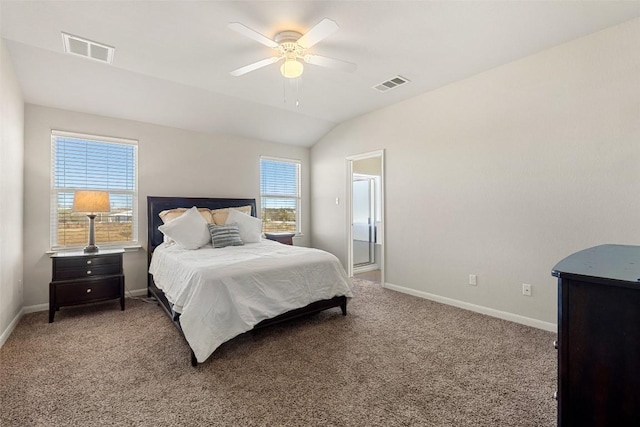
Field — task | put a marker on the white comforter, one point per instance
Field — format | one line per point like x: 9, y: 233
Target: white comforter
x: 224, y: 292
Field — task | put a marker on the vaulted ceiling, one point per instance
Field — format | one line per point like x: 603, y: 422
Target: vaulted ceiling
x: 173, y: 58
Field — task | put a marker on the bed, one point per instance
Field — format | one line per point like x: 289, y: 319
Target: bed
x: 211, y: 294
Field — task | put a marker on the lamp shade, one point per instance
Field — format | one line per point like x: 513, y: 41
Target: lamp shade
x: 91, y: 201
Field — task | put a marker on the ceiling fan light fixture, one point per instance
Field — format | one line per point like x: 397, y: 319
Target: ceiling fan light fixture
x: 292, y: 47
x: 291, y: 69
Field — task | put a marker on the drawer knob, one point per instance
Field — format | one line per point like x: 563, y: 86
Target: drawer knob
x: 89, y: 262
x: 88, y: 271
x: 89, y: 290
x: 555, y: 345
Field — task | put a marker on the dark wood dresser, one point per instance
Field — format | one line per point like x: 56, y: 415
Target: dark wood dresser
x: 599, y: 337
x: 79, y: 278
x: 284, y: 238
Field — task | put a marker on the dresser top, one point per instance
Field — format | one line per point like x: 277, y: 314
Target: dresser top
x: 81, y: 253
x: 615, y: 262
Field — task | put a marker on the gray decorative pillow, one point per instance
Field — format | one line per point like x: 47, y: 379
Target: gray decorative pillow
x: 225, y: 235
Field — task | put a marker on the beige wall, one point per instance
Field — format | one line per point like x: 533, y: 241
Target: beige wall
x: 172, y: 162
x: 500, y: 175
x: 11, y: 188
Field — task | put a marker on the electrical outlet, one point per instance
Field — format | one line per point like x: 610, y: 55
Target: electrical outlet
x: 473, y: 280
x: 526, y: 289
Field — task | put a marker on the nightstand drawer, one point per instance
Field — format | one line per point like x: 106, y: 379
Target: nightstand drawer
x: 284, y: 238
x: 85, y: 261
x: 83, y: 267
x: 90, y: 290
x: 90, y: 271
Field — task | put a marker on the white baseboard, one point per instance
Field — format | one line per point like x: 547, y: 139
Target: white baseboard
x: 551, y: 327
x: 7, y: 332
x: 365, y: 268
x: 34, y: 308
x: 136, y: 292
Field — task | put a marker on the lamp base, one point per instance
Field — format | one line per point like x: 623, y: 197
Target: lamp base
x: 91, y: 249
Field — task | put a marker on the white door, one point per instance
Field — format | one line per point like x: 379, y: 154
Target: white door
x: 363, y: 221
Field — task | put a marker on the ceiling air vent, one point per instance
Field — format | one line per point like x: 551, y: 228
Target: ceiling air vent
x: 391, y: 84
x: 89, y: 49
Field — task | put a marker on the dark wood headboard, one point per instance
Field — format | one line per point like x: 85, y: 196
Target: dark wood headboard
x: 155, y: 205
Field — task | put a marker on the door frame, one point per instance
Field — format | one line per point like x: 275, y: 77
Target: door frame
x: 349, y: 193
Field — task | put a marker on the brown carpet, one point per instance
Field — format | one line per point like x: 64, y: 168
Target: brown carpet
x: 394, y: 360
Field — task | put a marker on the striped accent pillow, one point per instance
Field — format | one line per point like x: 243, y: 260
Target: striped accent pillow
x: 225, y: 235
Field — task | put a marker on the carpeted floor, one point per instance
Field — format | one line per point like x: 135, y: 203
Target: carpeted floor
x: 394, y: 360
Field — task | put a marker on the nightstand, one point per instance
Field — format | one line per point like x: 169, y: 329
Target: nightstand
x: 284, y: 238
x: 79, y: 278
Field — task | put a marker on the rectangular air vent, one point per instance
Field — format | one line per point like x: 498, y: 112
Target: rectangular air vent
x: 391, y: 84
x: 89, y: 49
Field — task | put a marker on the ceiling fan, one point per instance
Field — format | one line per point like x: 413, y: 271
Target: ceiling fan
x: 292, y: 47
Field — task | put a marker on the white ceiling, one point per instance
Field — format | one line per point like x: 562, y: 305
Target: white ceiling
x: 173, y: 58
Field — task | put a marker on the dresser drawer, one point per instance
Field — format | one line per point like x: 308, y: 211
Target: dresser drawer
x: 82, y: 267
x: 86, y: 291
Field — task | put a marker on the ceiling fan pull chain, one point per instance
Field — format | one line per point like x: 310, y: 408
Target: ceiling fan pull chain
x: 284, y: 90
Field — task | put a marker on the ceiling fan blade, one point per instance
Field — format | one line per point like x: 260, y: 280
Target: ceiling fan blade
x: 324, y: 61
x: 252, y: 34
x: 322, y: 29
x: 256, y: 65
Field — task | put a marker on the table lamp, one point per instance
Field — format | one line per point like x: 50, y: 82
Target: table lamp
x: 91, y: 202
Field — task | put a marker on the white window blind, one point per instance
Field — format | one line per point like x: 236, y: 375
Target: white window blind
x: 280, y: 194
x: 87, y: 162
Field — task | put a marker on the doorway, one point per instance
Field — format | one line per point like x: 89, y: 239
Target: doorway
x: 365, y: 210
x: 364, y: 221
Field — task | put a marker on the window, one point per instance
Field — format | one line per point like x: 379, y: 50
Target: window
x: 280, y: 194
x: 86, y: 162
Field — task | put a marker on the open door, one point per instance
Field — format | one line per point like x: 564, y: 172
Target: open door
x: 365, y: 209
x: 364, y: 220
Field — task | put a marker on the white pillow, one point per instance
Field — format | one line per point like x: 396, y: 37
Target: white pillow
x: 189, y: 230
x: 250, y: 227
